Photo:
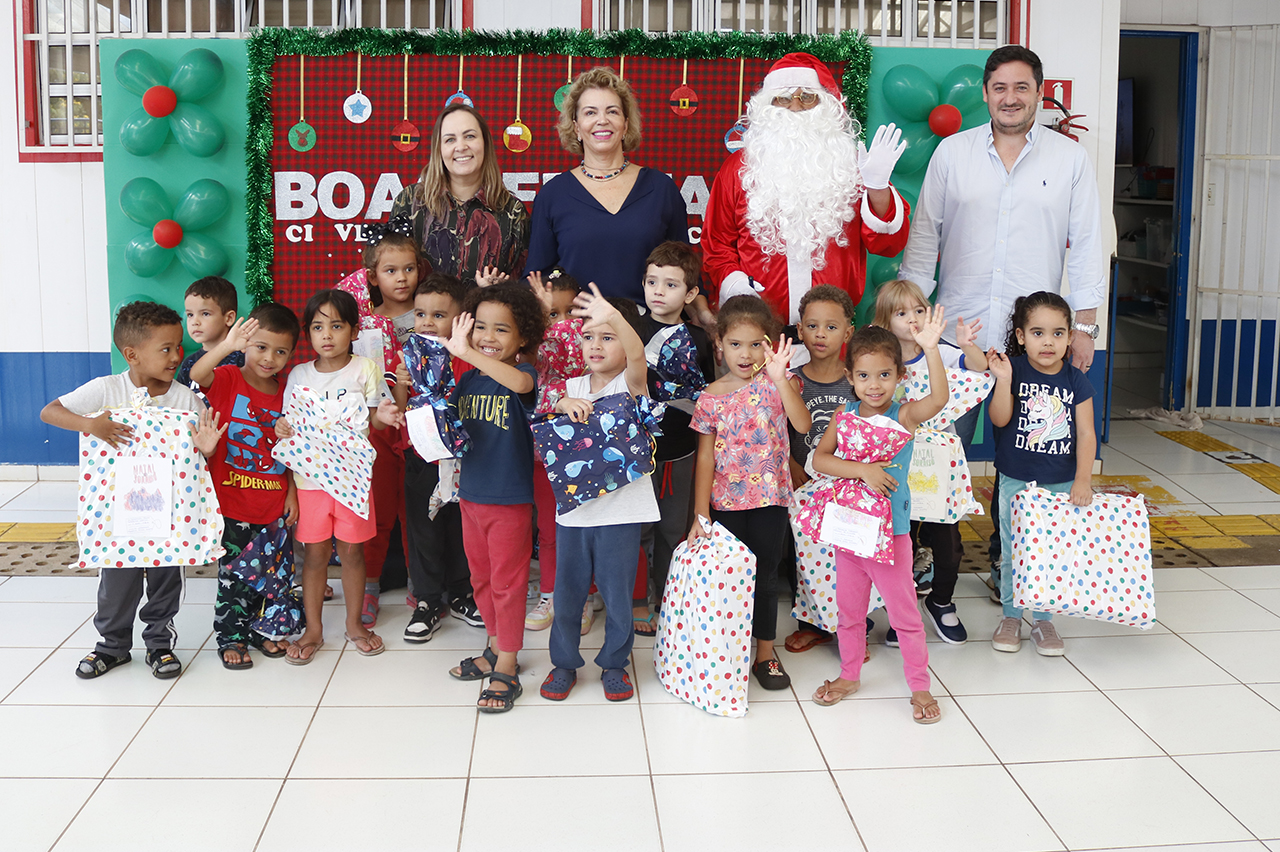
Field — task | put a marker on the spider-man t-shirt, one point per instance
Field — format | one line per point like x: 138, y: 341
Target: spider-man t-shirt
x: 251, y: 485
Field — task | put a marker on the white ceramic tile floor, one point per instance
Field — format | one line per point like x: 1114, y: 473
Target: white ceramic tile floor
x: 1169, y: 738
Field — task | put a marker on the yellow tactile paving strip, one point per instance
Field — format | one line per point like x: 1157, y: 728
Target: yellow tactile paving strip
x: 1265, y: 474
x: 38, y: 532
x: 1198, y: 441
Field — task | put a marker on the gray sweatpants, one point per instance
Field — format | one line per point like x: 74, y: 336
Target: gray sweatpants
x: 673, y: 486
x: 120, y: 592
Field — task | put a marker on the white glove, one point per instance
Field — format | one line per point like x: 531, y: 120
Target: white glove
x: 738, y: 283
x: 877, y: 164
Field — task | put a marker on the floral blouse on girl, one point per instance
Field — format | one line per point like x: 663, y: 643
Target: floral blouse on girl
x: 750, y: 426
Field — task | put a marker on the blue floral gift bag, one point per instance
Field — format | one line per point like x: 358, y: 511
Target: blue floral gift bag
x: 612, y: 448
x: 435, y: 429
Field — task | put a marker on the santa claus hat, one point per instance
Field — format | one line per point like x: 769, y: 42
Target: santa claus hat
x: 801, y: 71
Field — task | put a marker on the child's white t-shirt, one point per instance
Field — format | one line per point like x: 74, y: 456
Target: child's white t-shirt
x: 361, y: 376
x: 634, y: 502
x: 116, y: 391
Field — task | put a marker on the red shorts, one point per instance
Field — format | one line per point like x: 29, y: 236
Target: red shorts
x: 321, y: 517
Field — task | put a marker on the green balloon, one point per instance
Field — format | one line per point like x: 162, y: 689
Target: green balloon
x: 910, y: 91
x: 962, y: 88
x: 201, y: 205
x: 138, y: 71
x: 141, y: 134
x: 920, y: 144
x: 202, y: 255
x: 197, y: 130
x: 145, y: 257
x: 145, y: 202
x: 197, y: 74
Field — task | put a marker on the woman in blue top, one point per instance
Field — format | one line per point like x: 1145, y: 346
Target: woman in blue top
x: 600, y: 220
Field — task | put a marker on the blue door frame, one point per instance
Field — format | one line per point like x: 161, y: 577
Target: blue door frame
x: 1177, y: 349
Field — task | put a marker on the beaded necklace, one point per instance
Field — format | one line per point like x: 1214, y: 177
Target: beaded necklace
x: 610, y: 176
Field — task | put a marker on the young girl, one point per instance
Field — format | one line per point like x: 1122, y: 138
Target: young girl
x: 331, y: 321
x: 902, y: 309
x: 1052, y: 440
x: 498, y: 333
x: 742, y: 479
x: 384, y: 291
x: 875, y: 368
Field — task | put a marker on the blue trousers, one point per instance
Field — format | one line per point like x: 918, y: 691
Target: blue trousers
x: 609, y: 555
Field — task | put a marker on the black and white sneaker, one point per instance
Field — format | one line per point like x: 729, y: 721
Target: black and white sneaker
x: 423, y: 624
x: 466, y: 609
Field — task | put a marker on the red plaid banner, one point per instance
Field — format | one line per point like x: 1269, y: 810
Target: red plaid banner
x: 349, y: 178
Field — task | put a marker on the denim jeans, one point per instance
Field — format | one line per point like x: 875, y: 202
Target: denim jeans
x: 1008, y: 487
x: 607, y: 554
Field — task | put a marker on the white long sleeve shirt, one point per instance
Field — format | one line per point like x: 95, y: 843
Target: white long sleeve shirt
x: 999, y: 234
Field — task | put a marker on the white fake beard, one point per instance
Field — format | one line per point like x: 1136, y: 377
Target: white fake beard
x: 800, y: 176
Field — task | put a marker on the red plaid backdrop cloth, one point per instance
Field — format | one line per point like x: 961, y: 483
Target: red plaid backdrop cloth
x: 317, y: 251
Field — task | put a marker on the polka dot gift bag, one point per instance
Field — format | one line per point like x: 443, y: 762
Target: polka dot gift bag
x: 329, y: 446
x: 1089, y: 561
x: 816, y: 570
x: 702, y: 653
x: 150, y: 503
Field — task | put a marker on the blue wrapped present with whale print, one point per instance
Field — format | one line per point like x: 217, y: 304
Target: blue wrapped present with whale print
x: 674, y: 358
x: 435, y: 430
x: 612, y: 448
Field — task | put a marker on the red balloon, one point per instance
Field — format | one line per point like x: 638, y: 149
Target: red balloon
x: 944, y: 120
x: 159, y: 101
x: 167, y: 233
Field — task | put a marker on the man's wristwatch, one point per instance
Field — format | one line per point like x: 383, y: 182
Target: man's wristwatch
x: 1091, y: 330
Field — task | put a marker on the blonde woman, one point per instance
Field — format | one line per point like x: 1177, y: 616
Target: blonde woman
x: 465, y: 222
x: 599, y: 220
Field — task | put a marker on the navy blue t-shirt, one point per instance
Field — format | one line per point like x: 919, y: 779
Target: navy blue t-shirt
x: 498, y: 469
x: 1040, y: 441
x: 235, y: 359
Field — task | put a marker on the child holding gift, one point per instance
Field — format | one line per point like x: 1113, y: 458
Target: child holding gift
x: 599, y: 539
x: 210, y: 307
x: 742, y: 479
x: 149, y: 336
x: 1052, y: 440
x: 254, y: 490
x: 671, y: 277
x: 384, y: 292
x: 826, y: 321
x: 332, y: 320
x: 874, y: 357
x: 559, y: 359
x: 438, y: 570
x: 498, y: 333
x: 902, y: 308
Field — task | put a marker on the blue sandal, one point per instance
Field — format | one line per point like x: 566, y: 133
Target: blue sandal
x: 617, y: 685
x: 558, y: 684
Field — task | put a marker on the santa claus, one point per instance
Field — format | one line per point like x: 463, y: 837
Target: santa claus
x: 803, y: 201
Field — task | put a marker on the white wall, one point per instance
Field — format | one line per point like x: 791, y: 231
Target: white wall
x: 1204, y: 13
x: 53, y: 217
x: 527, y: 14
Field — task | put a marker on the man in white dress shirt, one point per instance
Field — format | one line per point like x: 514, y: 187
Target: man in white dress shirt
x: 1000, y: 205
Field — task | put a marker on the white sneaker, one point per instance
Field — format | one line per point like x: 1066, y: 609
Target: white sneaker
x: 588, y: 616
x: 541, y: 616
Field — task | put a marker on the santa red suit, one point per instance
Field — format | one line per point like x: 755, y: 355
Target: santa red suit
x: 737, y: 263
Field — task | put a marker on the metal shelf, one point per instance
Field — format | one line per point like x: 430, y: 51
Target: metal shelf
x: 1154, y: 202
x: 1143, y: 261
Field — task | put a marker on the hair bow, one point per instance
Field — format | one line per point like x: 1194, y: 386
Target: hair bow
x: 377, y: 232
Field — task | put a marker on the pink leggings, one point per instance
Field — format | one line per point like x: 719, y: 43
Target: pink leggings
x: 854, y: 576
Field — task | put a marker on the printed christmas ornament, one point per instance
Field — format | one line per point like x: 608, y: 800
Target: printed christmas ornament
x: 683, y: 100
x: 460, y: 96
x: 563, y: 92
x: 517, y: 136
x: 733, y: 138
x: 405, y: 136
x: 357, y: 108
x: 302, y: 136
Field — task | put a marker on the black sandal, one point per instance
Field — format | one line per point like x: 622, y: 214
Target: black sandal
x: 96, y: 664
x: 260, y: 642
x: 508, y: 696
x: 164, y: 664
x: 240, y: 648
x: 468, y: 670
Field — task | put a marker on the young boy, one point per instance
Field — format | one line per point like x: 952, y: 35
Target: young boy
x: 438, y: 569
x: 149, y: 336
x: 600, y: 539
x: 254, y: 490
x: 672, y: 272
x: 826, y: 324
x: 210, y: 305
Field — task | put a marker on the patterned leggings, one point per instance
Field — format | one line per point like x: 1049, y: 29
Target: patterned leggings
x: 237, y: 605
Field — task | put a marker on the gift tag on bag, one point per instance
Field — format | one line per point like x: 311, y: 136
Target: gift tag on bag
x: 849, y: 529
x: 424, y: 434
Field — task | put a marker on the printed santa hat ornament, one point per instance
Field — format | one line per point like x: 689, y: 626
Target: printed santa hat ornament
x: 801, y: 71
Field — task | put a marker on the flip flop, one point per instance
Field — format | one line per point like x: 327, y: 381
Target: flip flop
x: 304, y: 659
x: 372, y: 650
x: 260, y: 643
x: 793, y: 641
x: 925, y: 720
x: 651, y: 621
x: 240, y: 648
x: 826, y: 695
